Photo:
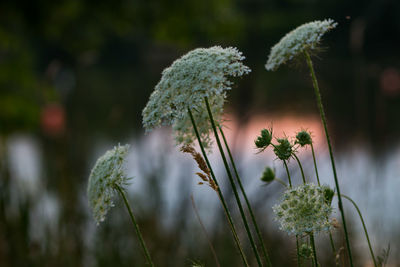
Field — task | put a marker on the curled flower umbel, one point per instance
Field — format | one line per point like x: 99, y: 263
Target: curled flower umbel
x: 304, y: 38
x: 264, y: 140
x: 303, y: 210
x: 284, y: 149
x: 303, y: 138
x: 106, y: 175
x: 201, y: 73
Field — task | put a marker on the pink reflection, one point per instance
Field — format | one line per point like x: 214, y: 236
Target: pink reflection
x: 283, y: 124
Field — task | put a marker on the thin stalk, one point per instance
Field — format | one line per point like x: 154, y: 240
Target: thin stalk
x: 205, y: 232
x: 365, y: 228
x: 314, y: 250
x: 139, y: 234
x: 220, y: 195
x: 297, y: 236
x: 281, y: 182
x: 301, y: 168
x: 315, y: 164
x: 319, y: 184
x: 260, y: 239
x: 288, y: 174
x: 323, y: 118
x: 246, y: 225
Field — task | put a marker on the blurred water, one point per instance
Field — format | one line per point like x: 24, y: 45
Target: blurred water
x: 372, y: 181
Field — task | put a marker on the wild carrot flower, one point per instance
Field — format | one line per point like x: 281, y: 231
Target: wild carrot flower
x: 303, y: 138
x: 303, y: 210
x: 201, y: 73
x: 268, y: 175
x: 284, y: 149
x: 106, y: 175
x: 304, y: 38
x: 264, y: 140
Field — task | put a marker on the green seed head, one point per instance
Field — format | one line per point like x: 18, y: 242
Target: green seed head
x: 303, y: 138
x: 268, y: 175
x: 328, y: 194
x: 264, y: 140
x: 305, y: 251
x: 284, y: 149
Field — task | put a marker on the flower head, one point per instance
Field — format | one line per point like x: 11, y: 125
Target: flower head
x: 264, y: 140
x: 201, y: 73
x: 303, y: 210
x: 284, y: 149
x: 268, y: 175
x: 106, y: 175
x: 304, y: 38
x: 303, y: 138
x: 305, y: 251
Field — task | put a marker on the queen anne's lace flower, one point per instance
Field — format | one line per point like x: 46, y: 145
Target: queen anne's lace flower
x: 202, y: 72
x: 106, y: 175
x: 303, y: 210
x: 304, y: 38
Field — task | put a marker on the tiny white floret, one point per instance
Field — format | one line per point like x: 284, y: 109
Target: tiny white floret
x: 304, y: 38
x: 201, y: 73
x: 106, y: 175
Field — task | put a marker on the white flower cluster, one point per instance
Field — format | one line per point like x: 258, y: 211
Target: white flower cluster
x: 106, y: 174
x: 303, y: 210
x: 201, y: 73
x: 304, y: 38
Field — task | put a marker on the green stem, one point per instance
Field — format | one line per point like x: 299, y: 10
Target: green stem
x: 220, y: 195
x: 246, y: 225
x: 301, y: 168
x: 281, y: 182
x: 323, y: 118
x: 288, y: 174
x: 142, y: 243
x: 260, y: 239
x: 365, y: 228
x: 313, y: 248
x: 319, y: 184
x: 315, y: 164
x: 297, y: 236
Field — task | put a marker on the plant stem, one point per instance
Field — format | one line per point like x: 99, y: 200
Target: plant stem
x: 301, y: 168
x: 288, y: 174
x: 313, y: 248
x: 281, y: 182
x: 365, y: 228
x: 246, y: 225
x: 220, y: 195
x: 297, y: 236
x: 260, y: 239
x: 319, y: 184
x: 323, y: 118
x: 315, y: 164
x: 205, y: 232
x: 142, y: 243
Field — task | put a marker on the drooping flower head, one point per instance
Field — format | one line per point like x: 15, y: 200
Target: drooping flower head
x: 106, y: 175
x: 268, y: 175
x: 201, y: 73
x: 304, y: 38
x: 264, y: 140
x: 303, y: 138
x: 284, y: 149
x: 303, y: 210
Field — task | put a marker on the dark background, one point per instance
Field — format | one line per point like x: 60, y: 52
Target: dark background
x: 72, y: 71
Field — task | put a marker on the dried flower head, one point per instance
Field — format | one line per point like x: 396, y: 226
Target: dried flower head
x: 284, y: 149
x: 201, y: 73
x: 205, y: 176
x: 304, y: 38
x: 106, y: 175
x: 303, y: 210
x: 264, y: 140
x: 329, y: 193
x: 268, y: 175
x: 303, y: 138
